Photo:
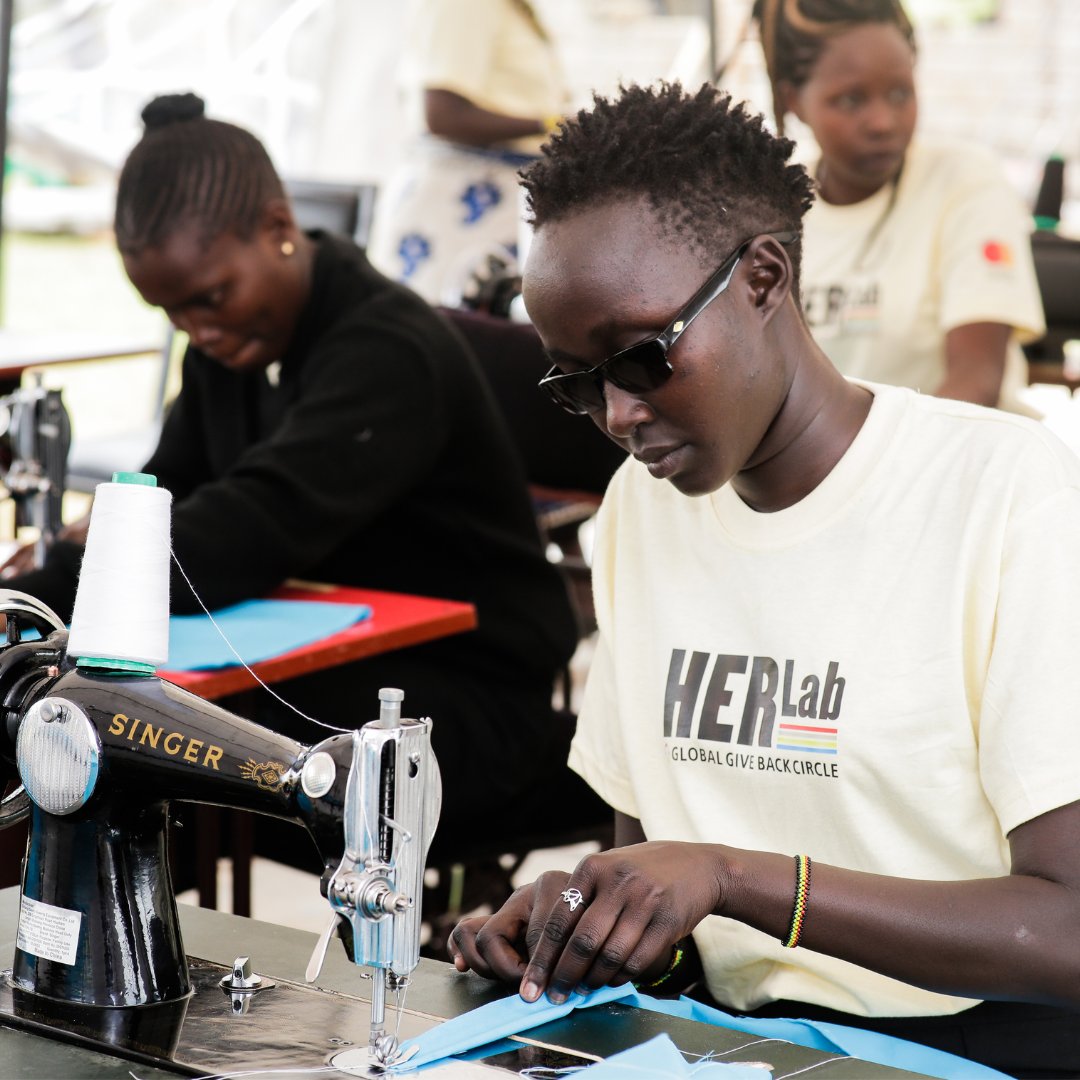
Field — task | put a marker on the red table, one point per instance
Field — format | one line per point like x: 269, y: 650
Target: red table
x: 397, y: 620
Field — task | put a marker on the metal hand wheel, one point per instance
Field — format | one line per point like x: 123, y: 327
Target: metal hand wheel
x: 19, y: 615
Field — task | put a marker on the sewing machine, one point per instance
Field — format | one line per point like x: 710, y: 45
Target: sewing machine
x: 38, y: 434
x: 101, y: 753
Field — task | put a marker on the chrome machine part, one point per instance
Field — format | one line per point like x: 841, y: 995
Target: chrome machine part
x: 21, y: 613
x: 241, y: 984
x: 58, y: 753
x: 317, y: 775
x: 392, y: 803
x: 38, y: 431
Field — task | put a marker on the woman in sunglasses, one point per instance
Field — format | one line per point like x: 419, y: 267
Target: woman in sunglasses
x: 830, y: 698
x: 917, y: 268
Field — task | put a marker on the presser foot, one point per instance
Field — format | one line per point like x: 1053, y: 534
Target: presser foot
x: 372, y: 1061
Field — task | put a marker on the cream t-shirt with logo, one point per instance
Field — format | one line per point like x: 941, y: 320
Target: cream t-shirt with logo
x: 882, y: 676
x: 884, y: 280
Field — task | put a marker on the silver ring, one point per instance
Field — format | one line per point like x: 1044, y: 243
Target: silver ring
x: 573, y: 897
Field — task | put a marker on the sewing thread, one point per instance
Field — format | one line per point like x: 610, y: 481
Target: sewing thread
x: 122, y: 602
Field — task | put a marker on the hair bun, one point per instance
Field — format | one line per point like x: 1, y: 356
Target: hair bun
x: 172, y: 109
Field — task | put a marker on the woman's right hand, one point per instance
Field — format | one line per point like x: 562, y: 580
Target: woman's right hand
x: 615, y: 919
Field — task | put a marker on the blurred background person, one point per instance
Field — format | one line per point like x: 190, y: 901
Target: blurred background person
x: 485, y: 87
x: 330, y: 426
x: 917, y: 268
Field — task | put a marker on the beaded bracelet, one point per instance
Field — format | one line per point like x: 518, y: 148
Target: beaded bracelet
x: 802, y: 895
x: 677, y: 954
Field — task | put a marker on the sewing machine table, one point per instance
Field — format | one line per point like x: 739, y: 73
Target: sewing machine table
x: 212, y: 1040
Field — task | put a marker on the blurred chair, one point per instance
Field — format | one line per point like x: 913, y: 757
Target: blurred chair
x: 93, y: 461
x: 568, y: 463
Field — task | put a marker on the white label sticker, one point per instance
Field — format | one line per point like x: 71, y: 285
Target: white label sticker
x: 49, y: 932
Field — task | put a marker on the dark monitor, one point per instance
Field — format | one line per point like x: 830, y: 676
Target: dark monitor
x: 336, y: 207
x: 1057, y: 269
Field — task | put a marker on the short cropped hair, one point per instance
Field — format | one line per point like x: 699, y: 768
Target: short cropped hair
x: 190, y: 171
x: 794, y: 33
x: 709, y: 168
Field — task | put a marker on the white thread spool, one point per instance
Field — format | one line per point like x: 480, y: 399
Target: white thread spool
x: 122, y: 603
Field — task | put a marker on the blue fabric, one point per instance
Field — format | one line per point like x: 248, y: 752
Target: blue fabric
x: 831, y: 1038
x: 512, y: 1015
x: 661, y: 1057
x: 258, y: 630
x: 495, y: 1021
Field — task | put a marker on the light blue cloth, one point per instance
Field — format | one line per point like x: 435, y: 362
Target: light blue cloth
x: 512, y: 1015
x: 495, y: 1021
x: 661, y: 1057
x: 258, y: 630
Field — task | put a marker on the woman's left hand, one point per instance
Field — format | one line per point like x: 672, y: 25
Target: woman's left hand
x: 619, y: 915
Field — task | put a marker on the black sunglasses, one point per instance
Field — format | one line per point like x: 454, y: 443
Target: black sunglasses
x: 643, y: 366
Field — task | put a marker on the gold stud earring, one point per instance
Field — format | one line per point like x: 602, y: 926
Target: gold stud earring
x: 287, y: 247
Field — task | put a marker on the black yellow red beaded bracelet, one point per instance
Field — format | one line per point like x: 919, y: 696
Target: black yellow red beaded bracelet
x: 802, y: 895
x: 678, y: 954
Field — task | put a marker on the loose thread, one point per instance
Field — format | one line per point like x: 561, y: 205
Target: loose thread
x: 243, y: 663
x: 321, y: 1070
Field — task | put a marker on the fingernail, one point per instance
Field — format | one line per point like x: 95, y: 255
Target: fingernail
x: 556, y: 997
x: 530, y: 991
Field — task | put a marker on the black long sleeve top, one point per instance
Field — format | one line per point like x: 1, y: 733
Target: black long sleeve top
x: 377, y: 459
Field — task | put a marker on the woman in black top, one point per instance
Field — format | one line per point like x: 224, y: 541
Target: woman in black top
x: 332, y: 427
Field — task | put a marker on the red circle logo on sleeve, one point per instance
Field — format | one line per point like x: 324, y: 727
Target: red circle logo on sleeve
x: 996, y: 252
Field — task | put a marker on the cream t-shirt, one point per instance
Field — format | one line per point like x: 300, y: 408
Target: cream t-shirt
x: 884, y: 280
x: 489, y: 51
x: 882, y: 676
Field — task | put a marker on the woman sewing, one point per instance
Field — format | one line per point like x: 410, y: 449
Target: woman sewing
x: 830, y: 704
x: 332, y: 427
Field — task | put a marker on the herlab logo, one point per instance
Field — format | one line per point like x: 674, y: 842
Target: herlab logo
x: 713, y: 699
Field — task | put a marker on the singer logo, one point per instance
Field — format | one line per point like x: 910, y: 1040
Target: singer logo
x: 174, y: 743
x: 269, y: 775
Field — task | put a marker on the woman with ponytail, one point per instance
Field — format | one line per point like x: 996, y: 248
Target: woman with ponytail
x: 332, y: 427
x: 918, y: 267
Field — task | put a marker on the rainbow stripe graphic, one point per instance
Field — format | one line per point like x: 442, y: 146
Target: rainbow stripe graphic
x: 807, y: 739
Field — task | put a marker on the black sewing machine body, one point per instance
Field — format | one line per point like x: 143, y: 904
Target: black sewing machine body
x: 34, y: 448
x: 102, y: 754
x: 106, y: 861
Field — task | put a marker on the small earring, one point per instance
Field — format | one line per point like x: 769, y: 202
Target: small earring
x: 287, y: 247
